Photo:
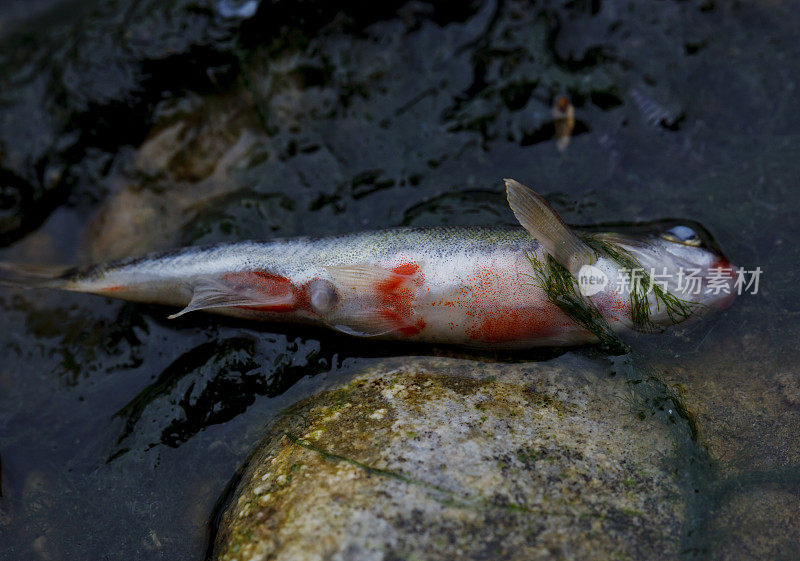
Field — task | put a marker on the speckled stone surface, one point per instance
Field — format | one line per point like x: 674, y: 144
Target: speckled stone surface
x: 439, y: 458
x: 755, y: 520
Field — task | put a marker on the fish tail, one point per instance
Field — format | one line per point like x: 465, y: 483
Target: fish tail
x: 34, y: 276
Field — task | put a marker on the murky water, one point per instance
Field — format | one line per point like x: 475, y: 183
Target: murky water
x: 131, y: 127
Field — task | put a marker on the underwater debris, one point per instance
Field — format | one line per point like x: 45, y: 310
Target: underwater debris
x: 237, y: 9
x: 656, y: 114
x: 563, y: 121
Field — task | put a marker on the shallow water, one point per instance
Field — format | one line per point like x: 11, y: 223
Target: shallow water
x: 127, y: 129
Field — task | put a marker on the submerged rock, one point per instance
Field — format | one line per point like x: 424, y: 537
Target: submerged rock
x: 757, y: 523
x: 440, y: 458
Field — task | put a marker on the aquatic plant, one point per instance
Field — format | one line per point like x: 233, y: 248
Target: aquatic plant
x: 561, y: 289
x: 641, y: 284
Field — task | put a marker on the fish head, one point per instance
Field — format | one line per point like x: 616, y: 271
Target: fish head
x: 648, y: 276
x: 682, y: 270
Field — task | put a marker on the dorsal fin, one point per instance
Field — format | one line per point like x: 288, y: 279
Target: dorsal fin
x: 543, y: 223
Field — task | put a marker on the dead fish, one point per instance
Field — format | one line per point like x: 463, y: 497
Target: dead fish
x: 490, y: 287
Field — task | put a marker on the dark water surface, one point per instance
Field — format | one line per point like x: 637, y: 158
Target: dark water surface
x: 128, y: 127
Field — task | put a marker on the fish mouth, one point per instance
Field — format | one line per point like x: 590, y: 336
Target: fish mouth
x: 724, y: 268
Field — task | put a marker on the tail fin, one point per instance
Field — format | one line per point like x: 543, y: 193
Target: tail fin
x: 34, y: 276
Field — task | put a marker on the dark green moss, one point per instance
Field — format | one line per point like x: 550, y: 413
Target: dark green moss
x: 677, y: 309
x: 562, y: 290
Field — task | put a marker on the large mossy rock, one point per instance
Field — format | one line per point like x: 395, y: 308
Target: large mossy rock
x: 451, y: 459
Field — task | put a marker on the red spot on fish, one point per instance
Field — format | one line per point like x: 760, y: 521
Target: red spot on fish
x: 719, y: 269
x: 402, y: 317
x: 304, y: 295
x: 517, y: 324
x: 724, y: 267
x: 396, y: 296
x: 612, y: 306
x: 389, y: 286
x: 409, y: 268
x: 415, y: 329
x: 499, y: 304
x: 112, y: 288
x: 267, y: 284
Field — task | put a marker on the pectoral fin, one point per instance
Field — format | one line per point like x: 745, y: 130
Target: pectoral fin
x: 378, y: 301
x: 543, y: 223
x: 366, y: 278
x: 365, y: 324
x: 224, y: 292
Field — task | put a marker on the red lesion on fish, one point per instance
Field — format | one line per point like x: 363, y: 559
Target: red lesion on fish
x: 407, y: 268
x: 500, y: 309
x: 515, y: 324
x: 268, y: 284
x: 303, y: 295
x: 396, y: 296
x: 112, y: 288
x: 724, y: 267
x: 612, y: 306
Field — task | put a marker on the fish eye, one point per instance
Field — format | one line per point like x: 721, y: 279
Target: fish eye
x: 683, y: 235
